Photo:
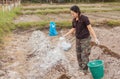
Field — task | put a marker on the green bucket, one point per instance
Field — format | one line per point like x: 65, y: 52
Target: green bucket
x: 96, y: 68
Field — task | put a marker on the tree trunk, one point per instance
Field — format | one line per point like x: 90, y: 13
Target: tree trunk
x: 3, y: 2
x: 6, y: 2
x: 75, y: 1
x: 50, y: 1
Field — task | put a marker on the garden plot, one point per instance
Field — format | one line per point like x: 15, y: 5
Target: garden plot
x: 33, y: 54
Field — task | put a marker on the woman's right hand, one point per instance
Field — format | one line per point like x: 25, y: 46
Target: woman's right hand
x: 62, y: 38
x: 70, y: 32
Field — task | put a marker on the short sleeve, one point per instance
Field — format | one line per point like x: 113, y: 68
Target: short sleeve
x: 73, y: 24
x: 87, y: 21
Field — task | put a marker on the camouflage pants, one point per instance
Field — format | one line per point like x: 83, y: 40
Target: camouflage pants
x: 83, y: 49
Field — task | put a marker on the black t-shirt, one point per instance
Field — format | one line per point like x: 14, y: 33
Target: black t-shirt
x: 81, y: 27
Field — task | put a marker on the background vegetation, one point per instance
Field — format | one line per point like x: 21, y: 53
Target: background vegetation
x: 65, y: 1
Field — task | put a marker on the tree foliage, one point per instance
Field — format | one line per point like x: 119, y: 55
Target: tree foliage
x: 65, y: 1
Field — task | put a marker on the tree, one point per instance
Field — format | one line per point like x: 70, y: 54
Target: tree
x: 50, y: 1
x: 75, y: 1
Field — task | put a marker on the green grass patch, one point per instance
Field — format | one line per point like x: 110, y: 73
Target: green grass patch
x: 6, y: 18
x: 28, y: 25
x: 44, y: 8
x: 61, y: 24
x: 64, y: 24
x: 47, y: 11
x: 113, y: 3
x: 116, y: 9
x: 41, y: 25
x: 113, y: 23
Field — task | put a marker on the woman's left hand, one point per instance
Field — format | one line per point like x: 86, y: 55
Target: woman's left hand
x: 97, y: 41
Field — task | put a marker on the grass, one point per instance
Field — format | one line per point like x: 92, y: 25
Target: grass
x: 6, y: 18
x: 67, y: 6
x: 47, y: 11
x: 27, y: 25
x: 65, y: 10
x: 53, y: 7
x: 64, y: 24
x: 61, y: 24
x: 56, y: 8
x: 113, y: 3
x: 41, y: 25
x: 44, y: 8
x: 113, y: 23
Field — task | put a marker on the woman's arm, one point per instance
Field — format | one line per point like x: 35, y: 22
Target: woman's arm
x: 70, y: 32
x: 92, y: 32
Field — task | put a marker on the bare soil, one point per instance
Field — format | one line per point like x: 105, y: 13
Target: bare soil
x: 15, y: 61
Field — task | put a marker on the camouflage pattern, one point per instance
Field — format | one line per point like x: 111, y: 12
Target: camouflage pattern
x: 83, y: 49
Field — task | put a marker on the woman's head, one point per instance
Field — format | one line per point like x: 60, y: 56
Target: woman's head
x: 75, y: 11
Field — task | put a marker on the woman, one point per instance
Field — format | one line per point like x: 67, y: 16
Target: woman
x: 82, y: 28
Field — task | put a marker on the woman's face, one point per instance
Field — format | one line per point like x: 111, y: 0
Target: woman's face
x: 75, y: 15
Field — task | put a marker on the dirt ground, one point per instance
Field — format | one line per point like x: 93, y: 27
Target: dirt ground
x: 15, y: 64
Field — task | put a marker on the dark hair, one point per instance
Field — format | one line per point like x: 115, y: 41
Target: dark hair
x: 75, y: 9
